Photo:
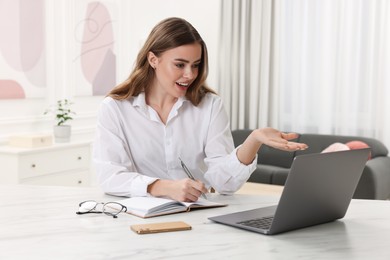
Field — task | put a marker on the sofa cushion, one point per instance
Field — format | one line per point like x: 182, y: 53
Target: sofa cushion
x: 270, y: 174
x: 271, y: 156
x: 261, y: 175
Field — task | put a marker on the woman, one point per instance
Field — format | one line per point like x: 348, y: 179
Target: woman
x: 164, y: 111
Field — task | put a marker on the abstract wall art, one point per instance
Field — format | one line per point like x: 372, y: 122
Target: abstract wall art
x: 94, y: 61
x: 22, y: 49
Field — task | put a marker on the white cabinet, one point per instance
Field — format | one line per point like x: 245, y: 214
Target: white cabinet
x: 66, y: 164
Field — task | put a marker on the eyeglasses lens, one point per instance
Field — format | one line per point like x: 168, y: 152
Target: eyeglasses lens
x: 112, y: 208
x: 87, y: 206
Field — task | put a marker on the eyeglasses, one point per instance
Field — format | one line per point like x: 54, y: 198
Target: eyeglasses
x: 109, y: 208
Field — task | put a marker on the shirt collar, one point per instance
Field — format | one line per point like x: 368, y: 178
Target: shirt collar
x: 140, y: 101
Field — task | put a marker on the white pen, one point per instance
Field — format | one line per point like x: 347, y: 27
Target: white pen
x: 189, y: 174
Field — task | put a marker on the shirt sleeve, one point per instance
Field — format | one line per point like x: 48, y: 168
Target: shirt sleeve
x: 116, y: 173
x: 226, y: 174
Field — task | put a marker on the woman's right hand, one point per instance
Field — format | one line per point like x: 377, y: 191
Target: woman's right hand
x: 186, y: 190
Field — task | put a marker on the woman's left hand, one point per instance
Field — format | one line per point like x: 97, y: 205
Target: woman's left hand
x: 276, y: 139
x: 268, y: 136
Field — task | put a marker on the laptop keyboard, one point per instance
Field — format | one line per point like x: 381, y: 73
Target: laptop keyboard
x: 262, y: 223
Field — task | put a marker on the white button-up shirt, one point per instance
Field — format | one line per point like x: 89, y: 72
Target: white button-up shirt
x: 133, y: 147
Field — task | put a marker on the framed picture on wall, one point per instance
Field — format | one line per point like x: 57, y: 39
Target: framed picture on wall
x: 22, y: 49
x: 93, y: 36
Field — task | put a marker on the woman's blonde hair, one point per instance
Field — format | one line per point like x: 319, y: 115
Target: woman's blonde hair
x: 168, y: 34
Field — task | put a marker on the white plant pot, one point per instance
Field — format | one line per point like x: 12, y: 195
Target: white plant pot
x: 62, y: 133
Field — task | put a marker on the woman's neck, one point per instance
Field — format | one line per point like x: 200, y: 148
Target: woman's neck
x: 161, y: 103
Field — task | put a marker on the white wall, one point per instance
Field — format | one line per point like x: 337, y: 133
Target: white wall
x: 134, y: 20
x: 204, y: 15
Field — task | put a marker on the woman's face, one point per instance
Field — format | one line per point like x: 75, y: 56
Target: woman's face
x: 176, y: 69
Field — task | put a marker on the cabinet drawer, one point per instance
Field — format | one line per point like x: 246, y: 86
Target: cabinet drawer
x: 60, y: 179
x: 50, y: 162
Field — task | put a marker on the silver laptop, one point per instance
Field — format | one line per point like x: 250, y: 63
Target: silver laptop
x: 318, y: 189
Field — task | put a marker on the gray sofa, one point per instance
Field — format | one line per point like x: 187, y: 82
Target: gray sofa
x: 274, y: 165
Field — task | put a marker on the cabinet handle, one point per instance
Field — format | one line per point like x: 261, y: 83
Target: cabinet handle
x: 79, y: 158
x: 33, y: 165
x: 79, y: 182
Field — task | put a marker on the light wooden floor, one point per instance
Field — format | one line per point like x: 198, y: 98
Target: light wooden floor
x: 260, y: 189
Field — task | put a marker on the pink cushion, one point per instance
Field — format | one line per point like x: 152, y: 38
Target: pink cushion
x: 353, y: 145
x: 336, y: 147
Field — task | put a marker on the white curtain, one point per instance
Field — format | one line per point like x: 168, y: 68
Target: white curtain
x: 327, y: 68
x: 246, y: 48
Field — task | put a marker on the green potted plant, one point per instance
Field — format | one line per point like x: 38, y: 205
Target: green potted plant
x: 63, y: 114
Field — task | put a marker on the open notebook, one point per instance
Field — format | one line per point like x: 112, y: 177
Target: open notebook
x: 146, y: 207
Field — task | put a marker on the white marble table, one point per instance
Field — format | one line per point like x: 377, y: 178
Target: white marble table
x: 39, y: 222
